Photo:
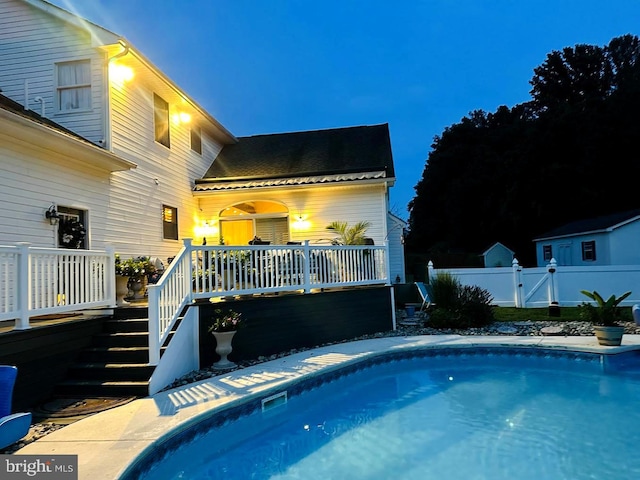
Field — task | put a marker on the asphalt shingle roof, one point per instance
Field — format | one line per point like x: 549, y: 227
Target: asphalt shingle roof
x: 12, y: 106
x: 591, y: 224
x: 295, y: 154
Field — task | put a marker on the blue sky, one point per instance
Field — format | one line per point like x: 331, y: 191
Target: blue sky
x: 270, y: 66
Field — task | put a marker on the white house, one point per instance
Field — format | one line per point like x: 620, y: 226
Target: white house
x: 93, y: 131
x: 605, y: 240
x: 498, y: 255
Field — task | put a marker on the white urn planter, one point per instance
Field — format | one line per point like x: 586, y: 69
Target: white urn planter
x: 122, y: 289
x: 224, y: 348
x: 137, y: 286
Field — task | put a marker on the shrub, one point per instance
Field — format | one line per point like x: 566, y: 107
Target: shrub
x: 445, y: 289
x: 457, y: 306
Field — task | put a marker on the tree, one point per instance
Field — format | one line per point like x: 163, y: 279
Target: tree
x: 349, y: 235
x: 518, y: 172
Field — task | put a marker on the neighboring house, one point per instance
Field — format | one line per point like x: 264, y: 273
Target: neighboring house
x: 498, y: 255
x: 606, y: 240
x: 108, y: 139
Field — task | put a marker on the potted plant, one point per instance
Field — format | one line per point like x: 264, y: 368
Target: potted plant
x: 604, y: 316
x: 224, y: 327
x: 135, y: 270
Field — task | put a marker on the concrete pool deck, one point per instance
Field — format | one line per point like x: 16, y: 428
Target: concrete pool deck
x: 108, y: 442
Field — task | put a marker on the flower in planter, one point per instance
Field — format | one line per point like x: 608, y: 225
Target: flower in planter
x: 137, y: 267
x: 228, y: 321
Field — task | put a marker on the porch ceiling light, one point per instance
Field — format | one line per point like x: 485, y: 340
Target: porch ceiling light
x: 52, y: 214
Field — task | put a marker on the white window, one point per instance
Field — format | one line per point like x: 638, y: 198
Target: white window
x: 74, y: 86
x: 547, y: 253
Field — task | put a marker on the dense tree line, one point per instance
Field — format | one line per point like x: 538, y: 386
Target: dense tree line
x: 571, y: 152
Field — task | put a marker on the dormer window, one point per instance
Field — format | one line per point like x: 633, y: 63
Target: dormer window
x: 74, y: 86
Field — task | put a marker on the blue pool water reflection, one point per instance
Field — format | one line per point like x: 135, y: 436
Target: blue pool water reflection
x: 475, y: 414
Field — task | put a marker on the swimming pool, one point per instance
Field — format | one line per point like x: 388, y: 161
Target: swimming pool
x: 440, y: 413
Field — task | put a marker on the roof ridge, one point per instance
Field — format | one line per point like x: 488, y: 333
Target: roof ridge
x: 351, y: 127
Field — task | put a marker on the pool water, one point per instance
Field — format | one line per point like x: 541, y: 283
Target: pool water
x: 468, y: 416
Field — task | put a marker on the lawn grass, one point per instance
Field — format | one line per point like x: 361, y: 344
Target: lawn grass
x: 567, y: 314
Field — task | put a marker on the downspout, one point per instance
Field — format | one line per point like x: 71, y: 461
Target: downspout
x: 107, y: 144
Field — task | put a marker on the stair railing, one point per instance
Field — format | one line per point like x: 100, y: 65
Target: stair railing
x: 167, y: 299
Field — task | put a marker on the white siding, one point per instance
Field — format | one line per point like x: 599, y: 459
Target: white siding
x: 163, y: 176
x: 625, y: 244
x: 396, y: 248
x: 31, y: 43
x: 31, y: 178
x: 319, y: 206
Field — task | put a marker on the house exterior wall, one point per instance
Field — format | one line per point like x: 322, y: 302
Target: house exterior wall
x: 31, y: 43
x: 124, y: 208
x: 624, y: 244
x: 396, y: 248
x: 32, y: 177
x: 568, y: 251
x: 318, y: 206
x: 164, y: 175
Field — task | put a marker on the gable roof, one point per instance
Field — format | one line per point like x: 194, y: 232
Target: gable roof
x: 497, y: 244
x: 317, y: 156
x: 604, y: 223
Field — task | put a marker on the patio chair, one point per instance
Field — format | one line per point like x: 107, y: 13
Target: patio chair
x: 425, y: 293
x: 12, y: 426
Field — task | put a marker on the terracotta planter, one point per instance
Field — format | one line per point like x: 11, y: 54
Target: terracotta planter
x: 609, y: 336
x: 223, y: 348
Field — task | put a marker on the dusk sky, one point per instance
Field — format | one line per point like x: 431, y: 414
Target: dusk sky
x: 276, y: 66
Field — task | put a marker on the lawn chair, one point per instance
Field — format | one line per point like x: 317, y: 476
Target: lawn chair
x: 425, y: 293
x: 12, y: 426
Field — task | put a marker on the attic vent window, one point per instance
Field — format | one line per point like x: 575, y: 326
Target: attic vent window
x: 169, y: 223
x: 74, y: 86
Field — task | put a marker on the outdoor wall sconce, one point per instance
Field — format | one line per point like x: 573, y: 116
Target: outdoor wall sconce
x: 301, y: 223
x: 52, y: 215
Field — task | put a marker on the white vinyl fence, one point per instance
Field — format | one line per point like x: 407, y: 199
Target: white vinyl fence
x: 541, y: 286
x: 38, y: 281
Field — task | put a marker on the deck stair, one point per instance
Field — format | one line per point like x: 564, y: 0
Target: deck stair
x: 116, y: 364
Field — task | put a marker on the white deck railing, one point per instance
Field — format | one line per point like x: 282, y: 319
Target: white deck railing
x: 199, y: 272
x: 39, y: 281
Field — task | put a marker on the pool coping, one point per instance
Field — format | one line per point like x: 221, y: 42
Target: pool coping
x: 108, y: 442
